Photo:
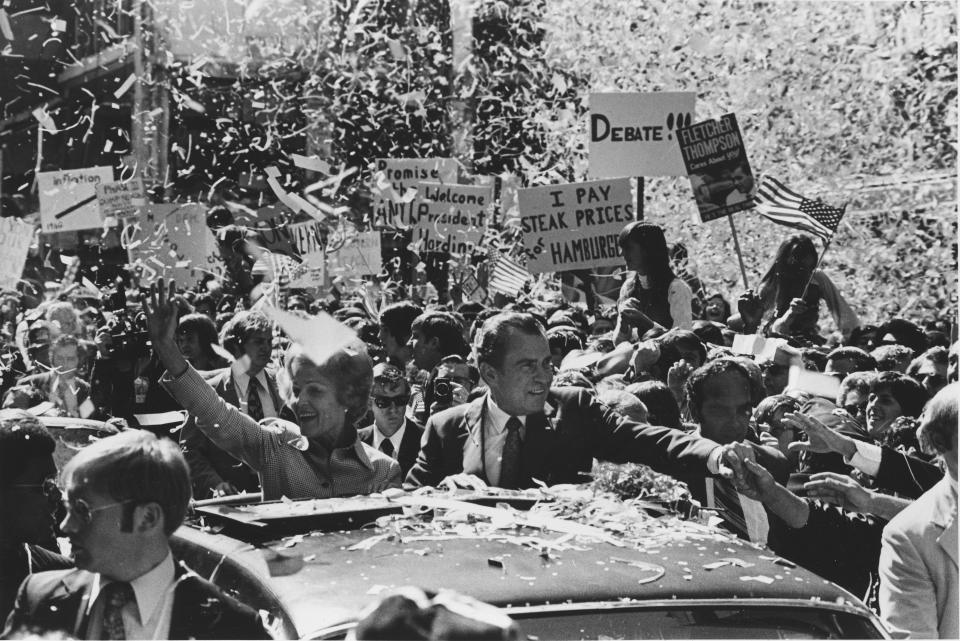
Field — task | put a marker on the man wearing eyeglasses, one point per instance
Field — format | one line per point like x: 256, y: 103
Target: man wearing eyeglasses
x: 28, y: 500
x: 124, y: 496
x: 392, y: 432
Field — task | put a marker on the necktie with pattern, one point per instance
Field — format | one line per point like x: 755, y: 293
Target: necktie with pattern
x: 254, y: 405
x: 116, y: 595
x: 510, y: 459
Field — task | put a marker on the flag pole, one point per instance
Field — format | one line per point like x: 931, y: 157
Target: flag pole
x: 736, y: 244
x: 826, y: 246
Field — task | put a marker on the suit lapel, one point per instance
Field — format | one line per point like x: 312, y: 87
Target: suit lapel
x: 471, y: 432
x: 945, y: 515
x: 192, y: 610
x: 69, y: 603
x: 227, y: 389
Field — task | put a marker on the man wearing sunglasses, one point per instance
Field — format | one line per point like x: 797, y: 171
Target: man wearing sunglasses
x: 28, y: 500
x: 392, y: 432
x: 124, y: 496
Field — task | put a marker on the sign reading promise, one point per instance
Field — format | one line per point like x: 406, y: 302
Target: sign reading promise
x: 574, y: 226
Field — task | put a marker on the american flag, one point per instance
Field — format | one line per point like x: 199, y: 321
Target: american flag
x: 786, y: 207
x: 507, y: 277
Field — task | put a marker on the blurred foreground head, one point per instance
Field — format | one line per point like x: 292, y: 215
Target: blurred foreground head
x: 410, y: 613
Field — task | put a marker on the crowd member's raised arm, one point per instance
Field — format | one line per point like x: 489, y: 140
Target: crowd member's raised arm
x: 228, y: 427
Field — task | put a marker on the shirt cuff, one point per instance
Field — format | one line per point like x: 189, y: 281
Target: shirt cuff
x: 866, y: 459
x: 713, y: 461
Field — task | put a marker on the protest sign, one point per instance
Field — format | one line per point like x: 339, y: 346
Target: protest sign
x: 68, y: 199
x: 311, y: 273
x: 171, y: 240
x: 272, y: 226
x: 451, y: 218
x: 574, y: 226
x: 394, y: 187
x: 716, y: 162
x: 120, y: 198
x: 15, y: 239
x: 356, y: 255
x: 306, y: 237
x: 632, y: 134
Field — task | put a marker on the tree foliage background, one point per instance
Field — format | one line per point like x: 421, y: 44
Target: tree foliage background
x: 850, y: 102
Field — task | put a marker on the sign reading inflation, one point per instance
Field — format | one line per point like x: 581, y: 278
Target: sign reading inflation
x: 574, y: 226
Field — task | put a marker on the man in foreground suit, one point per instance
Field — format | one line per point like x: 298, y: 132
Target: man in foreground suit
x: 125, y: 495
x: 919, y: 584
x: 524, y: 431
x: 392, y: 432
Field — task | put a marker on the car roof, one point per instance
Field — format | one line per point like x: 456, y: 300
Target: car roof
x: 325, y: 579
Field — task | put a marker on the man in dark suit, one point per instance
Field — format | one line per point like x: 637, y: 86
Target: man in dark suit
x: 524, y: 431
x: 721, y: 396
x: 392, y: 432
x: 125, y: 496
x: 247, y: 385
x: 28, y: 499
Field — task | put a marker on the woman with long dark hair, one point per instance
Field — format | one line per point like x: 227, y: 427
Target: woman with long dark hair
x: 789, y: 305
x: 652, y: 297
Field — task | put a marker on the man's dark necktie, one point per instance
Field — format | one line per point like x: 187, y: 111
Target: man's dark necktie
x: 386, y: 446
x: 510, y: 460
x: 115, y: 595
x: 254, y: 406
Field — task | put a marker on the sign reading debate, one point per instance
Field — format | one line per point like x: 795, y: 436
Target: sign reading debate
x: 574, y: 226
x: 632, y: 134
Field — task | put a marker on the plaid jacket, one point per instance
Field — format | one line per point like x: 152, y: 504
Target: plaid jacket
x: 283, y: 469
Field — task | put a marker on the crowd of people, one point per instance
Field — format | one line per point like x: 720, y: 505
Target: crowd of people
x: 855, y: 480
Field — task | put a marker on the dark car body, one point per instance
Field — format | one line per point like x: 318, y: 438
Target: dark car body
x: 665, y: 577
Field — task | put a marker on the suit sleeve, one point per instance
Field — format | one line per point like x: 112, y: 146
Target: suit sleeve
x: 20, y: 616
x: 621, y: 440
x: 428, y: 468
x: 905, y: 474
x: 908, y: 600
x: 229, y: 428
x: 195, y: 445
x: 840, y: 546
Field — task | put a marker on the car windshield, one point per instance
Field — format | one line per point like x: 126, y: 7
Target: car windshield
x: 697, y: 622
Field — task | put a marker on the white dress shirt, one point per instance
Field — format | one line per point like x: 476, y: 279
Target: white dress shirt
x: 242, y: 382
x: 494, y: 436
x: 149, y: 617
x: 395, y: 439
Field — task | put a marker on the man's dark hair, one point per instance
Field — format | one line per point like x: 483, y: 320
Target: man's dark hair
x: 397, y: 318
x: 861, y: 359
x: 888, y: 357
x: 936, y: 355
x: 698, y: 378
x: 854, y: 381
x: 23, y: 440
x: 564, y: 338
x: 709, y: 331
x: 903, y: 332
x: 201, y: 325
x: 671, y: 343
x: 662, y: 407
x: 218, y: 217
x: 244, y: 325
x: 491, y: 341
x: 444, y: 327
x: 908, y: 392
x: 65, y: 340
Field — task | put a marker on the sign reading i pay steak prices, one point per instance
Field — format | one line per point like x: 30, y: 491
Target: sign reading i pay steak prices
x: 574, y: 226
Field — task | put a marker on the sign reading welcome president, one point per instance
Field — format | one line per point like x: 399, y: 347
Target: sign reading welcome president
x: 634, y: 134
x: 574, y: 226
